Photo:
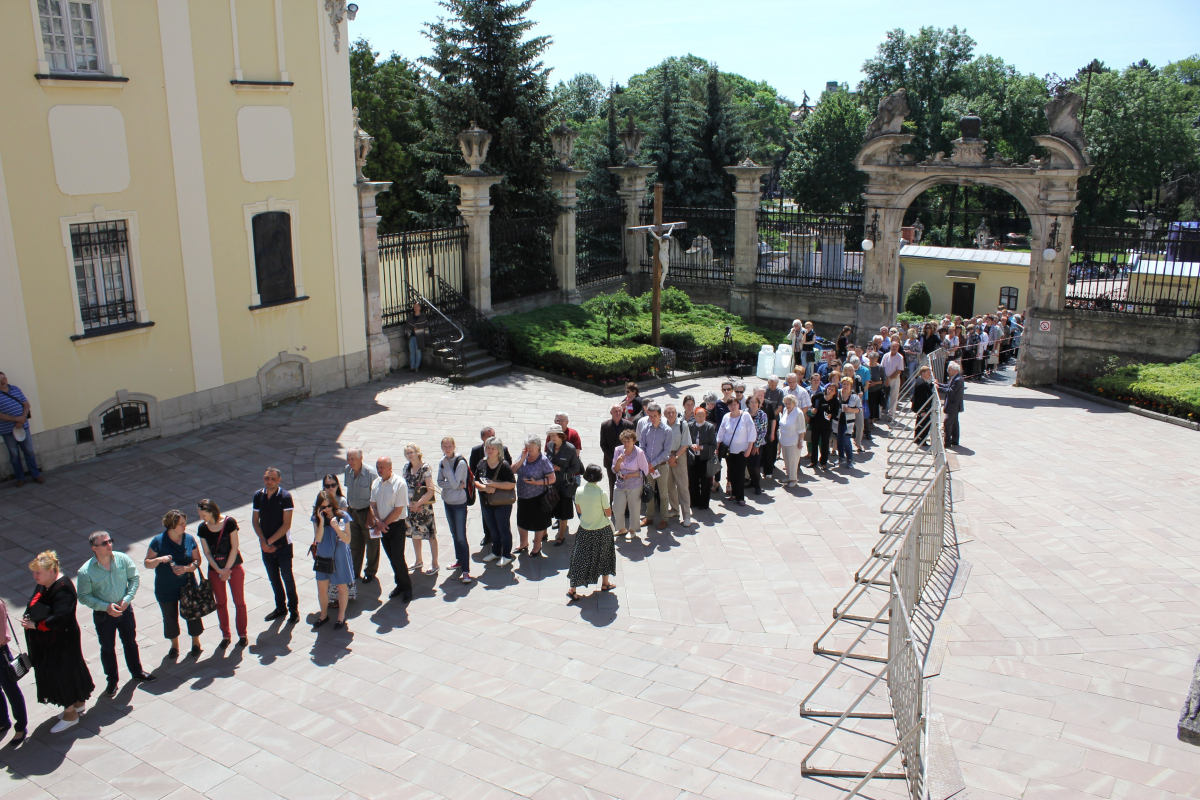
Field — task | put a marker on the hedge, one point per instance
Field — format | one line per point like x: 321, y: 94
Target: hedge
x: 1167, y: 388
x: 568, y: 339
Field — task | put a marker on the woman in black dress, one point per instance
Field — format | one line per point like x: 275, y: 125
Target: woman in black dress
x: 52, y: 635
x: 921, y: 394
x: 930, y: 341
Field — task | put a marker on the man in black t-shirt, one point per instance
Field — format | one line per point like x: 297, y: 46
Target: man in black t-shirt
x: 273, y: 523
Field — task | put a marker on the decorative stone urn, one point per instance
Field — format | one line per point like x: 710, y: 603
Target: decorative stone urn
x: 474, y: 142
x: 631, y: 140
x: 562, y: 139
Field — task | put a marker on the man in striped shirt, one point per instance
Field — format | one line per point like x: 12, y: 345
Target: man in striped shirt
x: 14, y: 428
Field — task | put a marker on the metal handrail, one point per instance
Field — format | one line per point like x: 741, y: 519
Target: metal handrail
x: 492, y: 335
x: 454, y: 344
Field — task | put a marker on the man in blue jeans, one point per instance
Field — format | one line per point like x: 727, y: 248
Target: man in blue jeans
x: 273, y: 524
x: 14, y: 428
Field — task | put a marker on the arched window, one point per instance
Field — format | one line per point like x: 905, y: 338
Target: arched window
x: 123, y: 418
x: 1008, y: 297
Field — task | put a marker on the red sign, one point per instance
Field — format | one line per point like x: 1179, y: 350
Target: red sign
x: 1044, y: 326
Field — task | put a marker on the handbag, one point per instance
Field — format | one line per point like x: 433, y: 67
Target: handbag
x: 713, y: 467
x: 196, y: 599
x: 500, y: 497
x: 323, y: 564
x: 550, y: 499
x: 19, y: 665
x: 647, y: 491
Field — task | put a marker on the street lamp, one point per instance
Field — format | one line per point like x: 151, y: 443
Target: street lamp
x: 1052, y: 243
x: 872, y: 234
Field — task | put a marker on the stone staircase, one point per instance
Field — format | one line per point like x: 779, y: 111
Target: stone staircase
x: 475, y: 364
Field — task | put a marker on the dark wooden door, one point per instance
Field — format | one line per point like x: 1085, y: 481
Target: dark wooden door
x: 273, y: 256
x: 962, y: 301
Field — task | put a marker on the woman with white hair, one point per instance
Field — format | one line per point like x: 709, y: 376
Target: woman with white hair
x: 791, y: 428
x: 535, y: 475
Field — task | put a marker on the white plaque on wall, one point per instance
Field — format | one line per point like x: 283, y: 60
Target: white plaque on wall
x: 265, y: 142
x: 90, y: 152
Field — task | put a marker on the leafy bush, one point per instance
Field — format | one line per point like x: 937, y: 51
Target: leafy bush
x: 674, y: 301
x: 576, y: 339
x: 918, y: 299
x: 917, y: 319
x: 1169, y: 388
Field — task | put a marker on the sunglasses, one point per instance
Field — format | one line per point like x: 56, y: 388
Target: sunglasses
x: 331, y: 486
x: 106, y: 543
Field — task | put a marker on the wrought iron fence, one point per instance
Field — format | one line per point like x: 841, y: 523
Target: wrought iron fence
x: 1150, y: 269
x: 522, y: 264
x: 818, y: 251
x: 599, y: 244
x: 700, y: 253
x: 416, y: 260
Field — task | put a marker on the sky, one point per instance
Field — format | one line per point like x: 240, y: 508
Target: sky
x: 798, y: 45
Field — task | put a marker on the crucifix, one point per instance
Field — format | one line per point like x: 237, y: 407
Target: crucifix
x: 662, y: 258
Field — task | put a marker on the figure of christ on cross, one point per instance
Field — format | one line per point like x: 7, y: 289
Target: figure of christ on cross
x: 662, y: 255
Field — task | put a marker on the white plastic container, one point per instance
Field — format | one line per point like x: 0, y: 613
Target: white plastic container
x: 766, y: 361
x: 784, y: 360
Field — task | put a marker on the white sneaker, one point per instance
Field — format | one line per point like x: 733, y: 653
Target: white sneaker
x: 490, y: 557
x: 504, y: 562
x: 64, y: 724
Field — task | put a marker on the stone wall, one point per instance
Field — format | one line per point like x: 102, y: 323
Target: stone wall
x: 1090, y: 338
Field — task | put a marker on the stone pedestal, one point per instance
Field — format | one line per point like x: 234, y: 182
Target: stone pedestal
x: 475, y: 205
x: 378, y: 351
x: 632, y: 192
x: 746, y: 196
x: 563, y: 254
x: 1189, y: 717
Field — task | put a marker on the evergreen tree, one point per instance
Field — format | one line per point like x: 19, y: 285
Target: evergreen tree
x: 486, y: 69
x: 598, y: 154
x: 393, y: 107
x: 671, y: 141
x: 718, y: 143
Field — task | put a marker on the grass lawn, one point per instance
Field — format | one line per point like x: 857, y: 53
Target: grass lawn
x: 1168, y: 388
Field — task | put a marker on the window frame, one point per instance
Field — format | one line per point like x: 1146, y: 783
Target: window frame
x: 105, y: 41
x: 251, y: 210
x: 100, y: 214
x: 1016, y: 294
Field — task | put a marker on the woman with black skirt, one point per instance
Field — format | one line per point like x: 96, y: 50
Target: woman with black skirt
x: 53, y: 637
x: 567, y: 469
x: 595, y: 555
x: 535, y: 475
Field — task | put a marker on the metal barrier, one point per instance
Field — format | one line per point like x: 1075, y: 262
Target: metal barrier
x: 911, y: 542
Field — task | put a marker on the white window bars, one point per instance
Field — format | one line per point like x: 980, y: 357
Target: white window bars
x: 70, y: 31
x: 911, y: 541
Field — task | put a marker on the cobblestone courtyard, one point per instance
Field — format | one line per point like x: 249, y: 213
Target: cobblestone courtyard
x: 1069, y: 657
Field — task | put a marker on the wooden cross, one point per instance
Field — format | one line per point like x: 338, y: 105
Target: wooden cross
x: 659, y: 230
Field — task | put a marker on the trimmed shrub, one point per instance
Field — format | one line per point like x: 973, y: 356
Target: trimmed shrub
x: 1167, y: 388
x: 918, y: 299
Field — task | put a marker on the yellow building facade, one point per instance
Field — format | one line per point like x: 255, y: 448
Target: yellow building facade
x: 966, y: 281
x: 179, y: 236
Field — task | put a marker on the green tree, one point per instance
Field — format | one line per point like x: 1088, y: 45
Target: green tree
x: 393, y: 107
x: 1140, y: 139
x: 918, y: 299
x: 486, y: 68
x: 671, y: 140
x: 929, y: 66
x: 718, y: 145
x: 820, y: 172
x: 599, y: 151
x: 616, y: 310
x: 580, y: 99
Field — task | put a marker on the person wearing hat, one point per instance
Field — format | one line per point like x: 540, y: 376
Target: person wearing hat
x: 14, y: 428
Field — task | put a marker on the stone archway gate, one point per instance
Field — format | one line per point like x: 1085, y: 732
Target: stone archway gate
x: 1045, y: 187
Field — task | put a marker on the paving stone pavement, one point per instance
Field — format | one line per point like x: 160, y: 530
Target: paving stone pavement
x: 1069, y: 655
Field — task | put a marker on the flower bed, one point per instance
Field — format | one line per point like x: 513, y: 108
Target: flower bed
x: 1172, y: 389
x: 571, y: 341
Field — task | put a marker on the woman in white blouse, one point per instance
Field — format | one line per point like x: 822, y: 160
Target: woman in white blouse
x: 791, y: 429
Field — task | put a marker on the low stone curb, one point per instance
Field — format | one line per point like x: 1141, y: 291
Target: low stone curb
x: 1104, y: 401
x: 619, y: 389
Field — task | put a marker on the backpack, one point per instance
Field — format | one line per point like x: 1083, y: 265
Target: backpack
x: 470, y: 487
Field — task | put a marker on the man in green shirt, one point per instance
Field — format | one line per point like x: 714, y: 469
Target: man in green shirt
x: 107, y: 584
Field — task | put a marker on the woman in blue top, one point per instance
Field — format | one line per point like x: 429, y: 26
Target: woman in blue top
x: 535, y: 476
x: 332, y: 542
x: 174, y: 555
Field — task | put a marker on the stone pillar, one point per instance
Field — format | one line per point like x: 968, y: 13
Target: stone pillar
x: 563, y: 181
x: 1041, y: 350
x: 881, y: 278
x: 632, y: 193
x: 475, y: 205
x: 747, y: 198
x: 378, y: 351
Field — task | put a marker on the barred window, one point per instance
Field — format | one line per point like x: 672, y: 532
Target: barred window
x: 273, y: 267
x: 123, y: 418
x: 1008, y: 297
x: 71, y: 35
x: 102, y: 274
